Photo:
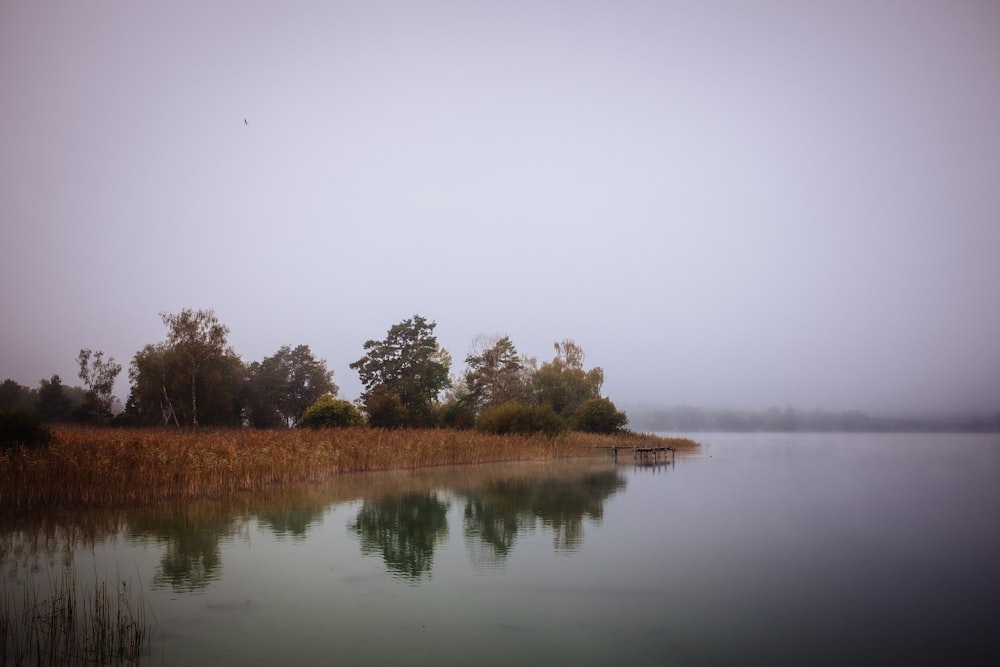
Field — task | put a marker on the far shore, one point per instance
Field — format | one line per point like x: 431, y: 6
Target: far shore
x: 103, y: 467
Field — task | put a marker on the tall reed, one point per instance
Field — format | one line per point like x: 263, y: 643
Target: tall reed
x: 105, y: 467
x: 107, y: 628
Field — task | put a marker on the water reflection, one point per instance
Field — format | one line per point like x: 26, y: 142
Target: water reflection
x: 496, y: 514
x: 36, y: 543
x: 403, y: 519
x: 293, y: 522
x: 404, y: 530
x: 191, y: 540
x: 792, y: 549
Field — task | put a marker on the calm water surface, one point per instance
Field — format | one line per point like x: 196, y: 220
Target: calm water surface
x: 759, y: 550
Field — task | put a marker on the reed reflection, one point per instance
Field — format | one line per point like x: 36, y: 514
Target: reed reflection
x: 403, y: 520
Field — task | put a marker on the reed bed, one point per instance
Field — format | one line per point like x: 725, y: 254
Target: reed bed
x: 67, y: 628
x: 91, y: 467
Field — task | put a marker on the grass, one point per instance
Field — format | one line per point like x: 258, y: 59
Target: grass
x: 92, y: 467
x: 102, y: 628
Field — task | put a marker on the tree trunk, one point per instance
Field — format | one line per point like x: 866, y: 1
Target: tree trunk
x: 169, y: 411
x: 194, y: 401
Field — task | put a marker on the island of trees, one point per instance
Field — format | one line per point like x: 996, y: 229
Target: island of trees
x: 200, y: 422
x: 193, y: 377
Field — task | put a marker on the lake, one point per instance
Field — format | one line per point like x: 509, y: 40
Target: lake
x: 761, y: 549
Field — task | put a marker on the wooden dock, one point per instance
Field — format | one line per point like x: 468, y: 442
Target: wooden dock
x: 642, y: 455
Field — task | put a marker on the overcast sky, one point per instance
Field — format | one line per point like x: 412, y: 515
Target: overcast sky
x: 726, y: 204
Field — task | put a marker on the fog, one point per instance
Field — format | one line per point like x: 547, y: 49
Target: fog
x: 726, y: 204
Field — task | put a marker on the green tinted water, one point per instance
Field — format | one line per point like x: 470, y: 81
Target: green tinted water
x: 759, y: 550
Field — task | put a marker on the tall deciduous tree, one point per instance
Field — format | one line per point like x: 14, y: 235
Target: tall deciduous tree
x: 407, y: 368
x: 283, y: 385
x: 191, y: 377
x: 197, y: 337
x: 156, y: 384
x: 99, y: 374
x: 562, y: 382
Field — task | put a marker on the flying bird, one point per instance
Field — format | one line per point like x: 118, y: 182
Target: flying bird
x: 245, y: 122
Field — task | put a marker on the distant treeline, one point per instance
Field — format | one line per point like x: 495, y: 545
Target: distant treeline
x: 687, y: 418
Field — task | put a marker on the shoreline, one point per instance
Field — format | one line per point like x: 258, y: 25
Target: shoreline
x: 108, y: 467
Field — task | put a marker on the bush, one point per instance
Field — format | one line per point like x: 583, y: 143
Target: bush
x: 330, y: 412
x: 457, y: 414
x: 19, y: 427
x: 519, y: 418
x: 385, y: 408
x: 598, y: 415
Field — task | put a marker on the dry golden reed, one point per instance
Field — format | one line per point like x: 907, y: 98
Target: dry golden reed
x: 106, y: 467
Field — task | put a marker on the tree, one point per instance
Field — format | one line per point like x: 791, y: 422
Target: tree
x: 99, y: 374
x: 494, y: 372
x: 598, y: 415
x: 265, y: 387
x: 331, y: 412
x: 408, y: 366
x: 191, y: 377
x: 458, y: 407
x: 15, y: 396
x: 196, y: 337
x: 385, y: 408
x: 283, y: 385
x: 156, y: 385
x: 54, y: 405
x: 562, y: 382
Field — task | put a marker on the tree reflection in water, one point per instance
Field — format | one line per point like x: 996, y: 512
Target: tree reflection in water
x: 404, y: 530
x: 291, y: 522
x: 495, y: 515
x: 191, y: 538
x: 403, y: 524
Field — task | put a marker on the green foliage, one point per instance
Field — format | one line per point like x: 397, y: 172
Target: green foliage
x: 330, y: 412
x: 192, y: 377
x: 281, y: 387
x: 562, y: 382
x: 515, y: 417
x: 22, y: 428
x: 98, y: 374
x: 157, y: 385
x: 598, y: 415
x: 457, y: 414
x: 54, y: 404
x: 495, y: 372
x: 407, y: 366
x: 385, y: 408
x: 457, y: 408
x: 15, y: 396
x: 196, y: 338
x: 220, y: 389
